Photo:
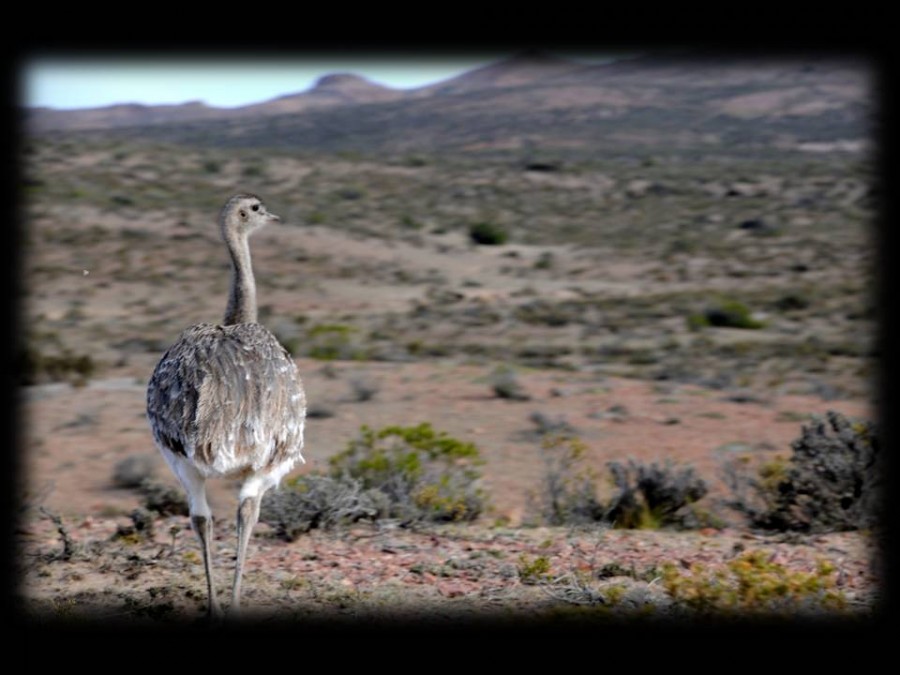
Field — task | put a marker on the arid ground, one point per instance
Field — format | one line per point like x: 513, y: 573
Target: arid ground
x: 446, y: 570
x: 693, y: 304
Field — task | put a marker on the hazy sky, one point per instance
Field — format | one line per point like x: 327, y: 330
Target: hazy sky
x: 85, y: 83
x: 74, y: 82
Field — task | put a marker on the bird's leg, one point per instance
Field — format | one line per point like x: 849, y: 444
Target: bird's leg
x: 201, y: 519
x: 203, y: 526
x: 247, y: 515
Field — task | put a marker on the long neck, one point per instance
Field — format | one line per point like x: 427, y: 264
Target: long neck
x: 242, y: 297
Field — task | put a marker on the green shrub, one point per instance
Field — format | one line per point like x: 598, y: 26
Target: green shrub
x: 423, y: 474
x: 753, y: 583
x: 488, y: 234
x: 697, y: 321
x: 533, y: 571
x: 731, y: 314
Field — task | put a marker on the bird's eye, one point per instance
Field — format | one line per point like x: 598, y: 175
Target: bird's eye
x: 255, y: 207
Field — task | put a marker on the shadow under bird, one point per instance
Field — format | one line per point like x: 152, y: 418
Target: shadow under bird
x: 226, y: 401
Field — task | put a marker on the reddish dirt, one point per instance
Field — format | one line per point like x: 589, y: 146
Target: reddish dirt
x: 75, y: 436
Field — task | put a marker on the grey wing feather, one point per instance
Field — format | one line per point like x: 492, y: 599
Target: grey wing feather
x: 229, y: 398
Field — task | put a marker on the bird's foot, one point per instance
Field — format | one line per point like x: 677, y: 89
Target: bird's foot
x: 214, y: 614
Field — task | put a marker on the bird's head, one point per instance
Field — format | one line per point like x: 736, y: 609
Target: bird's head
x: 244, y: 213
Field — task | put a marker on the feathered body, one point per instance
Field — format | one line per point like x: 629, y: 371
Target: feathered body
x: 226, y: 400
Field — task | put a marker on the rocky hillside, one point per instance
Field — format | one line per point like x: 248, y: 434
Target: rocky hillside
x: 531, y: 104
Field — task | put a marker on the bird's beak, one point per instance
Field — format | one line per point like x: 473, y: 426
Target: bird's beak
x: 273, y: 218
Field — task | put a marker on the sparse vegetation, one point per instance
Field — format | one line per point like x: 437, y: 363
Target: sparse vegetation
x: 423, y: 474
x: 314, y: 501
x: 506, y: 385
x: 163, y: 498
x: 725, y: 314
x: 487, y: 234
x: 647, y: 497
x: 329, y: 342
x: 751, y: 583
x: 653, y: 496
x: 38, y: 367
x: 565, y: 216
x: 568, y: 491
x: 549, y: 426
x: 546, y: 261
x: 830, y: 482
x: 754, y: 583
x: 132, y: 471
x: 533, y: 570
x: 140, y: 529
x: 726, y: 255
x: 548, y: 313
x: 350, y: 193
x: 69, y: 548
x: 363, y: 388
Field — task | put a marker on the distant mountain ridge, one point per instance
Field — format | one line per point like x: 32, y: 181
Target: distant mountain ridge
x: 524, y: 69
x: 655, y: 100
x: 329, y: 90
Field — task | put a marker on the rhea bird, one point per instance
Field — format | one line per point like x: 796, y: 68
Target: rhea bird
x: 226, y: 401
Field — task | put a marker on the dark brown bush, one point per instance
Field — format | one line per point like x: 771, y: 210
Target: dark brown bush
x: 830, y: 483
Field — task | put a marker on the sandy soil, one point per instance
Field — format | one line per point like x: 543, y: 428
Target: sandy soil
x: 76, y: 435
x: 117, y: 284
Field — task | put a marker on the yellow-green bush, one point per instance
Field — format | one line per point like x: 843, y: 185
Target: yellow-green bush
x: 752, y: 582
x: 727, y: 313
x: 568, y: 493
x: 533, y: 570
x: 422, y: 473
